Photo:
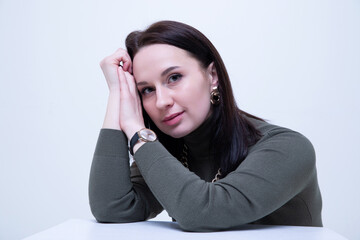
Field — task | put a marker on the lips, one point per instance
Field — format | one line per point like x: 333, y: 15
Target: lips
x: 173, y: 118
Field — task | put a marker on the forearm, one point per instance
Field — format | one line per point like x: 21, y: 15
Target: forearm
x: 112, y: 116
x: 115, y: 196
x: 251, y: 192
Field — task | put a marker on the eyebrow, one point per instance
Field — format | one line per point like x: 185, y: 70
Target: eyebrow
x: 169, y: 69
x: 166, y: 71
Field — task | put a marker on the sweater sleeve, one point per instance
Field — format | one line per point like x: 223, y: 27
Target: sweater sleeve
x: 276, y: 169
x: 118, y: 193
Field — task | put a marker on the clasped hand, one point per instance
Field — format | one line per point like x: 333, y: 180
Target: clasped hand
x: 124, y: 102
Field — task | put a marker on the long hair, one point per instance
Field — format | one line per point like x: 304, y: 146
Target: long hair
x: 233, y: 134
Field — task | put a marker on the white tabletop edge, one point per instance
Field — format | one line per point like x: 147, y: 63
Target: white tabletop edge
x: 86, y: 229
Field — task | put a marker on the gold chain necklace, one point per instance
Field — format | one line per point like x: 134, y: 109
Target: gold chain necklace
x: 184, y: 161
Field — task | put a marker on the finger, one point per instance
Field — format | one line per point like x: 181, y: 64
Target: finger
x: 121, y: 55
x: 131, y: 83
x: 124, y: 88
x: 127, y: 66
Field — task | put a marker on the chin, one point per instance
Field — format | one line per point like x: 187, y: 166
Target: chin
x: 174, y: 133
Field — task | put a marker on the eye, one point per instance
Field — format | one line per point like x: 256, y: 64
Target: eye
x: 146, y: 90
x: 174, y: 77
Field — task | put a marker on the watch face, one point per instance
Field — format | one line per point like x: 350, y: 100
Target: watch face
x: 147, y: 135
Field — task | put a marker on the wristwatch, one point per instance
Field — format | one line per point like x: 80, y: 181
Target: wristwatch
x: 145, y: 135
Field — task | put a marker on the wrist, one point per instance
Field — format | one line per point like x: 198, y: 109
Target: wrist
x: 112, y: 116
x: 115, y: 92
x: 140, y: 137
x: 137, y: 146
x: 130, y: 132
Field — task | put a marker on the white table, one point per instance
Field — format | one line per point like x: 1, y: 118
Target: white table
x: 79, y: 229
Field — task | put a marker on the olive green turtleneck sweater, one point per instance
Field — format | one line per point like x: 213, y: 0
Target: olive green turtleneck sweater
x: 275, y: 184
x: 201, y: 156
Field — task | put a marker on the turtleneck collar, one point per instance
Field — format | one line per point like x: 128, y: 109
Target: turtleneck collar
x: 199, y: 141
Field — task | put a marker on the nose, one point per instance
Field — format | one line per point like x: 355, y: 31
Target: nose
x: 163, y: 98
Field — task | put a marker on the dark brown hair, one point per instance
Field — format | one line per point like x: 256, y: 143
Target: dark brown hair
x: 233, y: 133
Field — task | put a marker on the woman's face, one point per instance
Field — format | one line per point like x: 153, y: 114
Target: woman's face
x: 175, y: 88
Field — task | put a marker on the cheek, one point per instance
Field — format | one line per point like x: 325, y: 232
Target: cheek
x: 150, y: 109
x: 198, y: 94
x: 198, y: 101
x: 202, y: 104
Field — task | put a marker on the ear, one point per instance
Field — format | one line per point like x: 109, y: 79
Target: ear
x: 212, y: 75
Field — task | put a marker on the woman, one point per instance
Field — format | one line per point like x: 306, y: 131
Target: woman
x: 209, y: 164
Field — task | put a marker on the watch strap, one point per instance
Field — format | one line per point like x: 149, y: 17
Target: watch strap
x: 133, y: 141
x: 145, y: 135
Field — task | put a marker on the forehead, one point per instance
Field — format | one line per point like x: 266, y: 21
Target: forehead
x: 153, y: 59
x: 156, y: 51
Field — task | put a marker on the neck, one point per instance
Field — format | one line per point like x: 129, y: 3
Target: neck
x: 200, y: 151
x: 199, y: 141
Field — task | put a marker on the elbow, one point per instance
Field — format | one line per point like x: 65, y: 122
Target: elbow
x: 102, y: 214
x: 190, y: 226
x: 212, y: 218
x: 104, y: 210
x: 194, y: 225
x: 98, y: 209
x: 106, y: 216
x: 203, y: 222
x: 190, y: 222
x: 107, y: 213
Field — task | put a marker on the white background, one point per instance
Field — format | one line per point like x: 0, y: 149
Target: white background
x: 295, y: 63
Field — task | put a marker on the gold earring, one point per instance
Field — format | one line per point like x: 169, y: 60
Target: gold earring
x: 215, y: 96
